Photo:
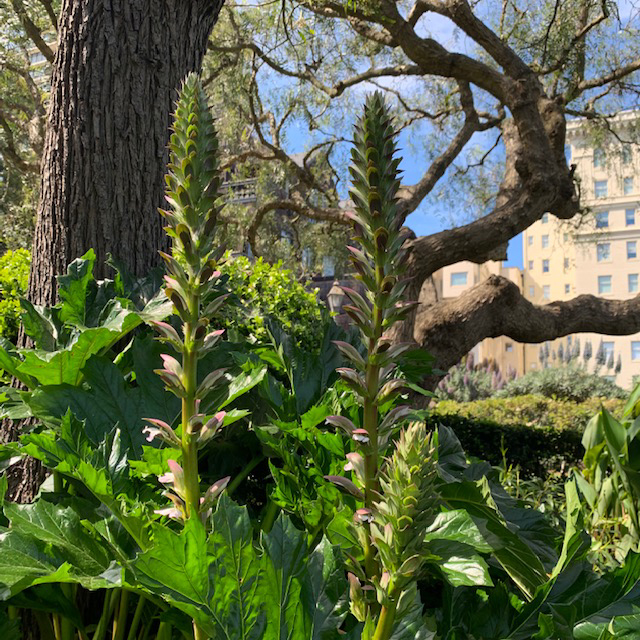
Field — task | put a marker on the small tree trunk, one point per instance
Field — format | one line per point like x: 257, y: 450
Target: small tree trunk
x: 116, y: 73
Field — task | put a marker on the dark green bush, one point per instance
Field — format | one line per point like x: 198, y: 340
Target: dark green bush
x: 569, y: 383
x: 539, y: 434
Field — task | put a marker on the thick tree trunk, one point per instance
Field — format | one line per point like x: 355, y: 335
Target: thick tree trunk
x: 115, y: 77
x: 116, y: 73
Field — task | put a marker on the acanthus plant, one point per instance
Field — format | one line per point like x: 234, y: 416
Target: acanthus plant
x: 192, y: 191
x: 398, y: 499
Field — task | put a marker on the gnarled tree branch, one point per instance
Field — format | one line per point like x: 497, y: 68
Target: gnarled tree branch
x: 451, y: 328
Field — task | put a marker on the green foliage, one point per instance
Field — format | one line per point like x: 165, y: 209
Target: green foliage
x: 270, y: 292
x: 610, y: 481
x: 567, y: 383
x: 14, y: 277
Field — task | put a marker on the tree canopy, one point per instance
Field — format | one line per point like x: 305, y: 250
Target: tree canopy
x: 481, y: 92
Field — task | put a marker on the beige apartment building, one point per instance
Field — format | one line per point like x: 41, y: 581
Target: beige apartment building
x: 597, y: 254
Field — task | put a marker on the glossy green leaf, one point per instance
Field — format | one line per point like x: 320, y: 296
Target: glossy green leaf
x: 65, y: 366
x: 176, y: 568
x: 457, y: 526
x: 284, y: 566
x: 61, y: 528
x: 515, y: 556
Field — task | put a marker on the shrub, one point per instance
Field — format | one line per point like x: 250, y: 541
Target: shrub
x: 568, y: 383
x: 14, y: 276
x: 268, y: 290
x: 468, y: 381
x: 538, y: 433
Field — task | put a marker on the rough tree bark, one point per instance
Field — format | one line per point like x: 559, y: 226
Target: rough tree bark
x: 115, y: 77
x: 116, y: 73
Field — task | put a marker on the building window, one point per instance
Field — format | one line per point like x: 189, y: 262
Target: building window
x: 635, y: 350
x: 567, y: 288
x: 35, y: 58
x: 328, y: 266
x: 530, y: 265
x: 602, y: 219
x: 603, y: 251
x: 546, y: 291
x: 632, y: 251
x: 627, y: 186
x: 633, y: 282
x: 599, y: 157
x: 508, y: 347
x: 530, y: 240
x: 565, y: 237
x: 459, y: 279
x: 604, y: 284
x: 545, y: 241
x: 545, y: 266
x: 600, y: 188
x: 566, y: 263
x: 607, y: 348
x: 532, y: 291
x: 545, y: 218
x: 626, y: 154
x: 630, y: 217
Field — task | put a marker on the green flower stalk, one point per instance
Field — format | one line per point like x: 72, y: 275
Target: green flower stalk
x: 387, y: 521
x: 192, y: 191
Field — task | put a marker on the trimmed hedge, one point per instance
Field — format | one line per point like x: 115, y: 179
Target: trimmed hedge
x: 539, y: 434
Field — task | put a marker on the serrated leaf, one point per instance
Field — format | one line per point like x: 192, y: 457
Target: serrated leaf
x: 61, y: 528
x: 235, y: 571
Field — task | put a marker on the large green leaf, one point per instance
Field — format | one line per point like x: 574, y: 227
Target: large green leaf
x: 103, y: 470
x: 41, y: 325
x: 23, y: 561
x: 325, y: 591
x: 603, y: 600
x: 176, y: 568
x: 65, y: 365
x: 235, y: 593
x: 108, y: 399
x: 61, y: 528
x: 457, y: 526
x: 518, y: 560
x: 76, y: 289
x: 235, y: 571
x: 284, y: 566
x: 409, y: 621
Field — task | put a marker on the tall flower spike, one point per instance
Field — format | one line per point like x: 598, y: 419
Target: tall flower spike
x: 377, y: 261
x: 385, y: 525
x: 192, y: 270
